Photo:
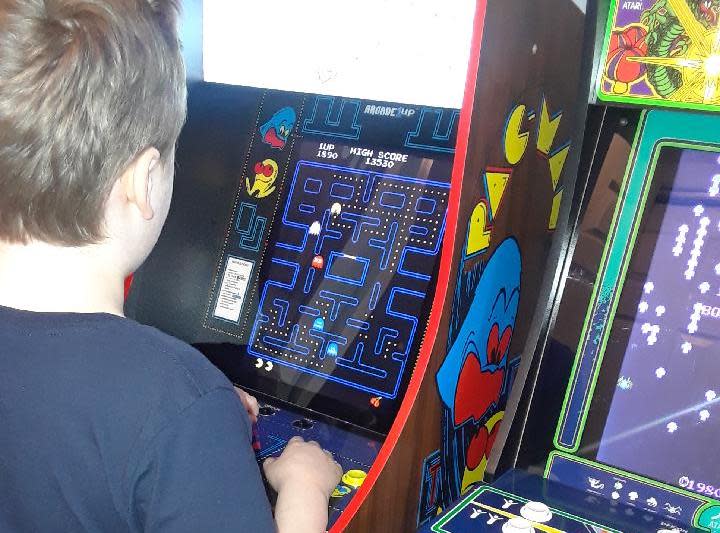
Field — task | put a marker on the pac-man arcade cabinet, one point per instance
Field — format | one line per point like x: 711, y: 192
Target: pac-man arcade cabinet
x: 331, y: 247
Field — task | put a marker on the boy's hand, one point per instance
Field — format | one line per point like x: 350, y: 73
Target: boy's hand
x: 250, y: 403
x: 305, y: 464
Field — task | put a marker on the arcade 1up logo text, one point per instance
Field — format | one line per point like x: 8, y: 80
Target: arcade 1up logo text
x: 389, y: 111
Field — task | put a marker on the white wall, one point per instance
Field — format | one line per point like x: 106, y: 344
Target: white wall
x: 192, y: 39
x: 408, y: 51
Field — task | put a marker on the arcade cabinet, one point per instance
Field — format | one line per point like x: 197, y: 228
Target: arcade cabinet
x: 331, y: 248
x: 613, y: 422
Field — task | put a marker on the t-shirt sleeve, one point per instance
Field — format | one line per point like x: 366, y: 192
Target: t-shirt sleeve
x: 200, y: 473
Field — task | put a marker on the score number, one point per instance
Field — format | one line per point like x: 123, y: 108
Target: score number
x: 327, y: 151
x: 699, y: 487
x: 386, y: 159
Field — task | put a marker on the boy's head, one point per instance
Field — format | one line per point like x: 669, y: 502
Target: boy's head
x: 92, y: 100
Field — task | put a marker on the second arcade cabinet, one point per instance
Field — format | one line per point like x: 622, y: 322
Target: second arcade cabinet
x: 612, y: 424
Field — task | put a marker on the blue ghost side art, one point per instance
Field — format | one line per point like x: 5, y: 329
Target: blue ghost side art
x: 474, y: 375
x: 276, y: 131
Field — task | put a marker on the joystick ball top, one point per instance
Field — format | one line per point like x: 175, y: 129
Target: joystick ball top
x: 518, y: 525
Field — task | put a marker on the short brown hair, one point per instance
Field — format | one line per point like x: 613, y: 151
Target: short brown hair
x: 85, y: 87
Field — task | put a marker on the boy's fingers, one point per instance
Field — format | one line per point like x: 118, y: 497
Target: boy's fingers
x: 268, y: 462
x: 249, y: 402
x: 254, y: 406
x: 242, y: 395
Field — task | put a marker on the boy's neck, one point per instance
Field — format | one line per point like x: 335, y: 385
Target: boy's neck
x: 43, y: 277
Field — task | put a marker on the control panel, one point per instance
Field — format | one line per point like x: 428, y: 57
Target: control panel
x: 277, y: 425
x: 519, y: 502
x: 488, y: 509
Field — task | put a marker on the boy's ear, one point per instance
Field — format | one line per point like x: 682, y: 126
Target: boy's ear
x: 137, y: 181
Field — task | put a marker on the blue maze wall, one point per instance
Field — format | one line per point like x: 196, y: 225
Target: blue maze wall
x: 354, y: 320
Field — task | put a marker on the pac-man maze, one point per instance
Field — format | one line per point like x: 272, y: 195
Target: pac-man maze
x: 349, y: 274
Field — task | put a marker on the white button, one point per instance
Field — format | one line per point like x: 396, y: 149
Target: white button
x: 518, y: 525
x: 536, y: 512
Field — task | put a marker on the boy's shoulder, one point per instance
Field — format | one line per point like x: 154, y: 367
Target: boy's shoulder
x: 165, y: 353
x: 158, y: 365
x: 168, y: 375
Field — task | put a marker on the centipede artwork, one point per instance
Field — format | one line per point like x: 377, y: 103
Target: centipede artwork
x: 669, y: 51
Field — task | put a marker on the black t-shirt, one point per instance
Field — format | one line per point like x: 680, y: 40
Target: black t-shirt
x: 107, y: 425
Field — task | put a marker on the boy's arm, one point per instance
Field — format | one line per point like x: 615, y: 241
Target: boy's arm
x: 304, y: 476
x: 301, y: 506
x: 301, y: 510
x: 199, y: 473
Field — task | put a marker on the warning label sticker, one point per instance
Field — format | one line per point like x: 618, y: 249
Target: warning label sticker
x: 232, y: 291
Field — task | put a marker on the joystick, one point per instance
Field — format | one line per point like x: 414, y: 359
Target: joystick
x: 267, y: 410
x: 536, y: 512
x: 303, y: 423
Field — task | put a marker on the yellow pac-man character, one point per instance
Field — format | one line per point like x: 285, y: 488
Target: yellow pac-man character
x: 515, y: 139
x: 264, y: 182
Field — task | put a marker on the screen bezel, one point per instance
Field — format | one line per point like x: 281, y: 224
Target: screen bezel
x: 213, y: 152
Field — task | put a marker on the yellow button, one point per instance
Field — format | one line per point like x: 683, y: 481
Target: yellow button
x: 354, y: 478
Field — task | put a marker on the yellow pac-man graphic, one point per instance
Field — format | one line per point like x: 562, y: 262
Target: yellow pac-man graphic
x: 548, y: 129
x: 480, y: 227
x: 515, y: 143
x: 555, y: 210
x: 475, y: 476
x: 496, y: 182
x: 478, y: 233
x: 514, y: 139
x: 264, y: 181
x: 557, y: 163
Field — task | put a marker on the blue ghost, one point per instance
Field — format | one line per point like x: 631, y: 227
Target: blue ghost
x: 276, y: 131
x: 485, y: 334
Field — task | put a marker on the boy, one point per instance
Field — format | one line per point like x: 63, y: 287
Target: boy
x: 107, y: 425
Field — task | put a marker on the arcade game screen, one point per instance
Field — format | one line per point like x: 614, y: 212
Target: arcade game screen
x: 654, y: 411
x: 343, y: 290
